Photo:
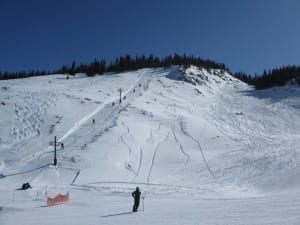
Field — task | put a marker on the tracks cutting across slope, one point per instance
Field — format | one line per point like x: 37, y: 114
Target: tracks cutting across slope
x: 83, y: 132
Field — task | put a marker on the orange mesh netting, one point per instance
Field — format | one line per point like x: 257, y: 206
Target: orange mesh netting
x: 59, y: 199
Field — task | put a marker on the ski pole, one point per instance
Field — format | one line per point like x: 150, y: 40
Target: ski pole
x: 143, y: 202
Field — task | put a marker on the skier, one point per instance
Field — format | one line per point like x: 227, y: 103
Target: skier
x: 62, y: 145
x: 94, y: 121
x: 136, y: 195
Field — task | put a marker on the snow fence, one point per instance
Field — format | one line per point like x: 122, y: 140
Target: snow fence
x: 59, y: 199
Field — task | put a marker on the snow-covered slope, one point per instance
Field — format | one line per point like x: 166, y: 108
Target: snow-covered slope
x: 177, y: 133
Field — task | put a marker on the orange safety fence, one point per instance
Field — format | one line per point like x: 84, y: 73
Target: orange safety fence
x: 59, y: 199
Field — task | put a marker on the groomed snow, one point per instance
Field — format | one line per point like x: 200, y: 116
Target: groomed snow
x: 203, y: 147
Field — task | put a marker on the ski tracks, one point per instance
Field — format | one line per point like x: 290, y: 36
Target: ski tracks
x: 180, y: 145
x: 154, y: 155
x: 28, y: 113
x: 141, y: 158
x: 127, y: 165
x: 183, y: 129
x: 139, y: 166
x: 122, y: 138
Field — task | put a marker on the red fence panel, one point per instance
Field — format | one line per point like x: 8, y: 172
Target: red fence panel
x: 59, y: 199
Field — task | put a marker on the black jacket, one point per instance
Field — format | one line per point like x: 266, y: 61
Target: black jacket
x: 136, y: 194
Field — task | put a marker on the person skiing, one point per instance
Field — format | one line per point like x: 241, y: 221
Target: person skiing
x: 136, y: 195
x: 94, y: 121
x: 62, y: 145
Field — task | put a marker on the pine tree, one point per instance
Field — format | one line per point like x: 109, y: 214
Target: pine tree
x: 73, y: 68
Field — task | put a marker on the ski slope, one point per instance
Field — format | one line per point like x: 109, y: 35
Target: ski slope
x: 203, y: 147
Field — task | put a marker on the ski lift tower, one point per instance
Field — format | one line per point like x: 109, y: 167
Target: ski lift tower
x: 120, y: 90
x: 54, y: 143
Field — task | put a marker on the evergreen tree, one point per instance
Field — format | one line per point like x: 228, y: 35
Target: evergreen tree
x: 73, y: 68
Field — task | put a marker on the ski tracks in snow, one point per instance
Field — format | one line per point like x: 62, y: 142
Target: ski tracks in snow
x: 28, y: 114
x: 33, y: 105
x: 139, y: 166
x: 153, y: 158
x: 154, y: 155
x: 127, y: 165
x: 123, y: 141
x: 200, y: 148
x: 180, y: 145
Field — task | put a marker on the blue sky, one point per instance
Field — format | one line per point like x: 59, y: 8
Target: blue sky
x: 246, y: 35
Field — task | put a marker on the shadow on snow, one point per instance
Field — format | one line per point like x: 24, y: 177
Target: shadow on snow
x: 117, y: 214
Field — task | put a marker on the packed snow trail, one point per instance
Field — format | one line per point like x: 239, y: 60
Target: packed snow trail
x: 89, y: 117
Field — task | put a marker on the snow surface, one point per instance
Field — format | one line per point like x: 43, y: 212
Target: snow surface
x: 203, y: 147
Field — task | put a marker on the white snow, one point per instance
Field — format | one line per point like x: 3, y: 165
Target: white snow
x: 203, y: 147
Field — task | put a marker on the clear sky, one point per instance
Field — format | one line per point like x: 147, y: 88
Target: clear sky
x: 246, y: 35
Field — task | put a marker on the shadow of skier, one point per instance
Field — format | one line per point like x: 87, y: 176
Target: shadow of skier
x: 117, y: 214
